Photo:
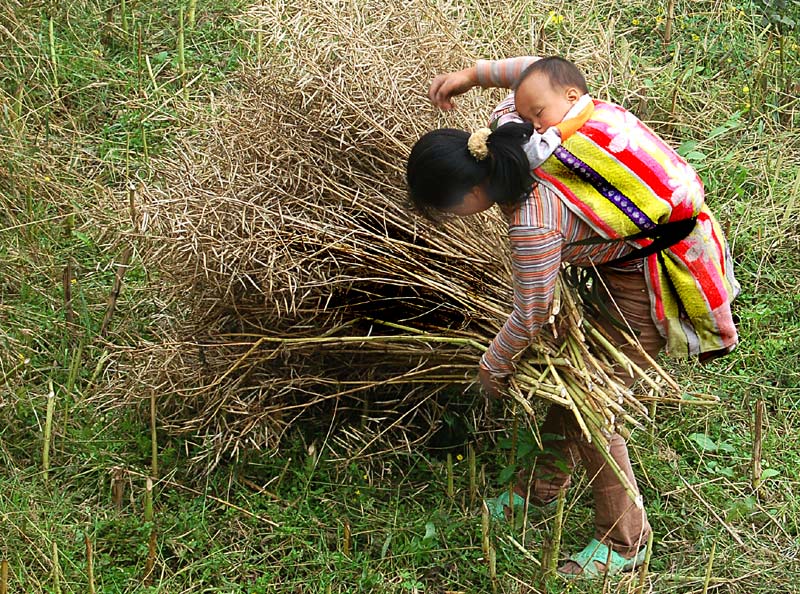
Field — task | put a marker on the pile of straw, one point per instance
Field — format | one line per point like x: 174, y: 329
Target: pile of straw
x: 303, y: 281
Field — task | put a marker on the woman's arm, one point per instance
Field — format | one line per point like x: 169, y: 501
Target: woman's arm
x: 501, y: 73
x: 486, y: 73
x: 536, y: 260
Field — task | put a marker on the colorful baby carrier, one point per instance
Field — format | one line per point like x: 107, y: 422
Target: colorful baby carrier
x: 628, y: 184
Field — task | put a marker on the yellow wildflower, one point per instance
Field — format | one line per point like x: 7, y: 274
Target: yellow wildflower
x: 745, y: 89
x: 459, y: 457
x: 635, y: 22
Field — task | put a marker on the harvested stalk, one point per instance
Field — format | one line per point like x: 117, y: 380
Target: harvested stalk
x: 473, y: 475
x: 111, y: 304
x: 645, y: 566
x: 758, y: 439
x: 56, y: 569
x: 451, y: 491
x: 303, y: 280
x: 48, y: 430
x: 709, y: 567
x: 89, y: 564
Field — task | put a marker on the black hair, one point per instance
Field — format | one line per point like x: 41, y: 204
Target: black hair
x: 440, y: 170
x: 559, y: 71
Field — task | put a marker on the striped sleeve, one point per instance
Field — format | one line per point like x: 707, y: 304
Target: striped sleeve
x: 502, y: 73
x: 536, y: 260
x: 543, y: 232
x: 505, y: 112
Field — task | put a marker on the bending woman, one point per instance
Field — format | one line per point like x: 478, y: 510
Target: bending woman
x: 463, y: 174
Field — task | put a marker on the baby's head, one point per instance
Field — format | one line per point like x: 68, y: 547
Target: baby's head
x: 453, y: 171
x: 546, y: 91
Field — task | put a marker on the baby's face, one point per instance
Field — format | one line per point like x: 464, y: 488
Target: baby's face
x: 539, y: 103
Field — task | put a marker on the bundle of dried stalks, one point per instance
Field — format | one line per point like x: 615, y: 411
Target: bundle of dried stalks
x: 302, y: 278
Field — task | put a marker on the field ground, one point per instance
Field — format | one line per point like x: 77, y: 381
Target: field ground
x: 91, y: 96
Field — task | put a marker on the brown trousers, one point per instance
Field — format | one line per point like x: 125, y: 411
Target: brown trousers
x: 618, y: 523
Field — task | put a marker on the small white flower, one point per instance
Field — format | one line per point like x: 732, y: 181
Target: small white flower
x: 702, y: 245
x: 627, y: 133
x: 686, y: 189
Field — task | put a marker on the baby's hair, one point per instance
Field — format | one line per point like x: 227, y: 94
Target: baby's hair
x: 441, y: 170
x: 559, y: 71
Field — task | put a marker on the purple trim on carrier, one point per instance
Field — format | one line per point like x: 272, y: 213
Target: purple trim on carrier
x: 602, y: 185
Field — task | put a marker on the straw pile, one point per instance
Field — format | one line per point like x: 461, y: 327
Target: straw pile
x: 302, y: 280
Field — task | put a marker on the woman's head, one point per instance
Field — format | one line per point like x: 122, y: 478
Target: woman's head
x: 461, y: 173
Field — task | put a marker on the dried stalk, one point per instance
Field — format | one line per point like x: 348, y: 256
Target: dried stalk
x: 283, y: 232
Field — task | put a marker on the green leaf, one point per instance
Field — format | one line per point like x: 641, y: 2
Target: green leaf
x: 387, y: 543
x: 85, y: 239
x: 726, y: 447
x: 687, y: 147
x: 430, y: 531
x: 525, y: 449
x: 506, y: 474
x: 740, y: 509
x: 704, y: 441
x: 769, y: 473
x: 732, y: 124
x: 695, y: 156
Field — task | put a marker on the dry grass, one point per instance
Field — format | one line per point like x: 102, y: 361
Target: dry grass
x: 298, y: 277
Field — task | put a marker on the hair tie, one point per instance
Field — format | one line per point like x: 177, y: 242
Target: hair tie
x: 477, y: 144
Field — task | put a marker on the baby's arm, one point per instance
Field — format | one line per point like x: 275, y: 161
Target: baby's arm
x: 541, y: 146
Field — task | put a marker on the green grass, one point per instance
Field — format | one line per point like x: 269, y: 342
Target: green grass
x: 76, y: 132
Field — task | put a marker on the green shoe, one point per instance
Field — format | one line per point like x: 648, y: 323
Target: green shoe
x: 497, y: 505
x: 609, y: 560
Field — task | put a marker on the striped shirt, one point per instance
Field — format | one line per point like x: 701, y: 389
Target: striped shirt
x: 540, y: 230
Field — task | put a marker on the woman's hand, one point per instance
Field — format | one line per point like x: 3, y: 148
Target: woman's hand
x: 492, y: 386
x: 446, y: 86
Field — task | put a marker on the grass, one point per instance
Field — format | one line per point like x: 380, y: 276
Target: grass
x: 91, y: 95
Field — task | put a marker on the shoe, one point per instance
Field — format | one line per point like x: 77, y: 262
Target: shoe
x: 610, y: 562
x: 498, y: 505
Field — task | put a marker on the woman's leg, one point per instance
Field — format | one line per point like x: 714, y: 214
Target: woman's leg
x: 615, y: 515
x: 554, y: 467
x: 618, y: 523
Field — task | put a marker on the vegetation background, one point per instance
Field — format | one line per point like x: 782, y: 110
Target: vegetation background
x: 93, y: 93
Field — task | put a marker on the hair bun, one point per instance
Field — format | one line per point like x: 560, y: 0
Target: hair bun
x: 477, y: 143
